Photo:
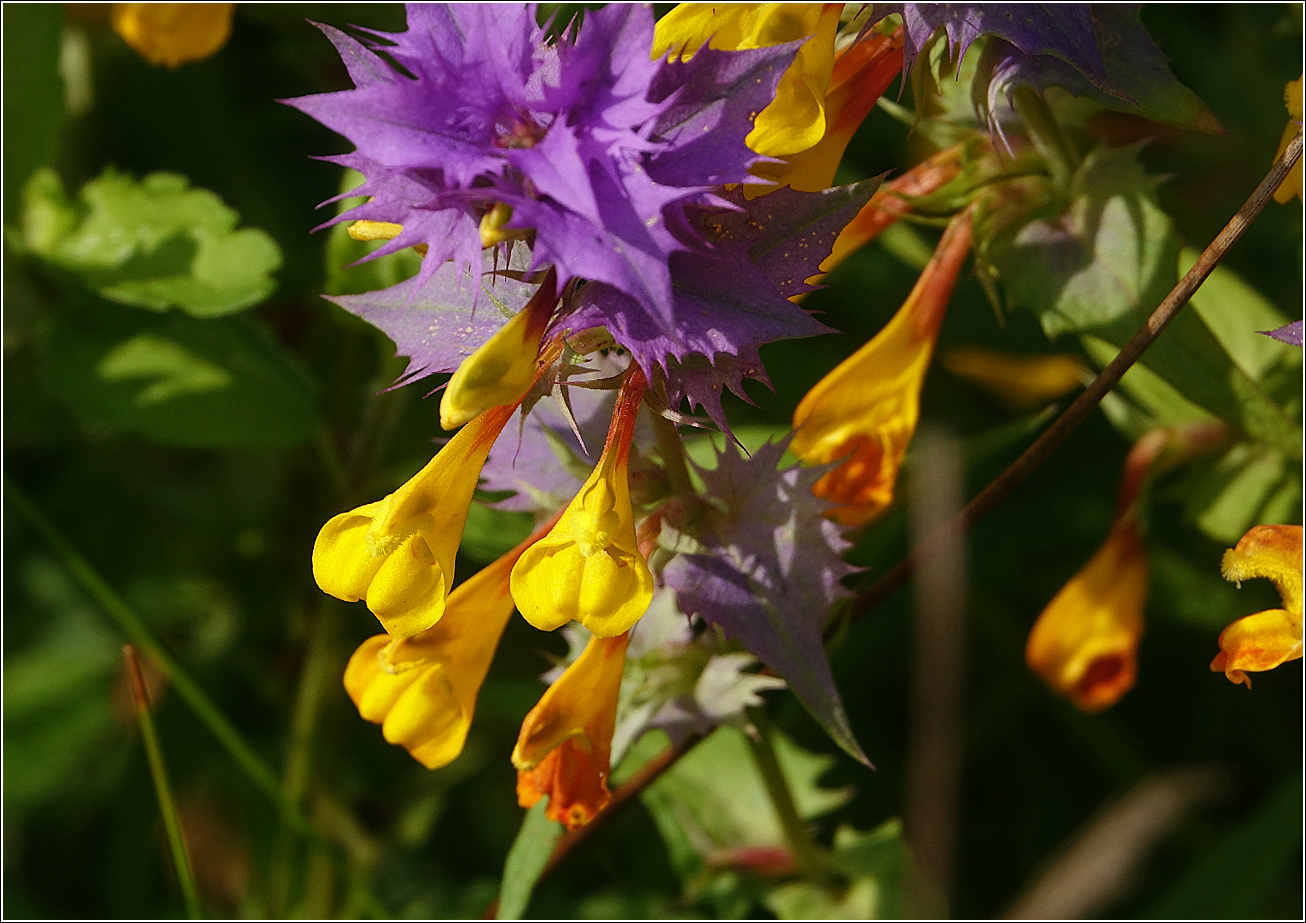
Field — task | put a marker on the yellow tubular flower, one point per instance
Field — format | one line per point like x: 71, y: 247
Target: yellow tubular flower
x: 796, y: 119
x: 398, y: 553
x: 1085, y: 643
x: 1292, y: 183
x: 565, y: 744
x: 589, y: 568
x: 1266, y: 639
x: 173, y: 34
x: 422, y: 689
x: 502, y: 369
x: 865, y: 411
x: 1020, y: 382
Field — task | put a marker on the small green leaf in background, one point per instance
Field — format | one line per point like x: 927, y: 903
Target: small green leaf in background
x: 714, y: 799
x: 526, y: 861
x: 154, y: 244
x: 219, y: 383
x: 34, y: 96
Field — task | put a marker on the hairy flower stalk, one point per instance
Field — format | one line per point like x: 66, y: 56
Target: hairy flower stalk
x: 589, y: 568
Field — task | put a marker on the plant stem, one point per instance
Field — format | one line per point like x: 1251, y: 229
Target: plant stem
x: 869, y: 596
x: 806, y: 853
x: 167, y: 807
x: 135, y: 630
x: 673, y: 455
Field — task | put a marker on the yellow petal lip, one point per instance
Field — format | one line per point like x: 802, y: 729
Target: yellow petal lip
x: 1264, y: 640
x: 398, y: 553
x: 589, y: 567
x: 1085, y: 643
x: 422, y: 689
x: 173, y: 34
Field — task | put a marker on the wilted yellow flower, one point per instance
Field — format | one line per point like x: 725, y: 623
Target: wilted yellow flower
x: 398, y: 553
x: 589, y: 568
x: 1292, y: 183
x: 422, y: 689
x: 565, y: 745
x: 173, y: 34
x: 796, y: 119
x: 1085, y: 643
x: 1266, y: 639
x: 865, y: 411
x: 502, y: 369
x: 1020, y: 382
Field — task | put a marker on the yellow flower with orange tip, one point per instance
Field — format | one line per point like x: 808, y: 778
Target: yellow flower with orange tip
x: 865, y: 411
x: 589, y: 567
x: 1085, y: 643
x: 1264, y: 640
x: 1292, y: 183
x: 565, y: 744
x: 173, y: 34
x: 796, y: 119
x: 398, y: 553
x: 422, y: 689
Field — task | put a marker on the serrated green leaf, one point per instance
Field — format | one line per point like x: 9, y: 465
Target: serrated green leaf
x: 154, y: 244
x: 176, y: 380
x: 526, y: 861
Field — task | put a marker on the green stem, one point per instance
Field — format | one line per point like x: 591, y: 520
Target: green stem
x: 672, y: 450
x: 167, y: 807
x: 806, y: 853
x: 317, y: 676
x: 135, y: 629
x: 1047, y: 136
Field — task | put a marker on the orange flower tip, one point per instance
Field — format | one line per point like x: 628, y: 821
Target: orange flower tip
x: 577, y: 789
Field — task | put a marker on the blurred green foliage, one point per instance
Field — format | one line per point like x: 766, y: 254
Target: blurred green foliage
x: 187, y: 411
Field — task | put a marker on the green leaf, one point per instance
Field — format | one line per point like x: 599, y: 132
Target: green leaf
x: 490, y: 533
x: 1103, y: 267
x: 526, y: 861
x: 1249, y: 484
x: 33, y: 90
x: 714, y: 799
x: 179, y: 381
x: 1234, y: 312
x: 154, y: 244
